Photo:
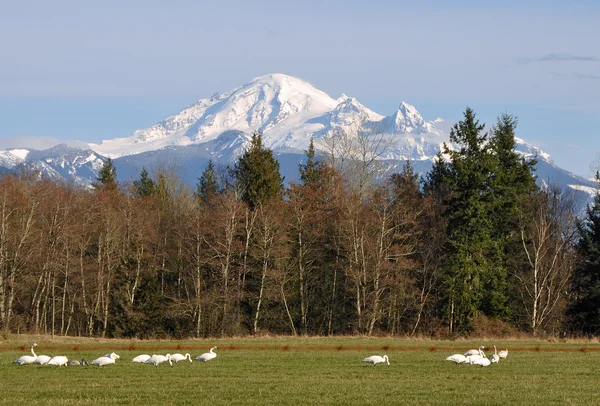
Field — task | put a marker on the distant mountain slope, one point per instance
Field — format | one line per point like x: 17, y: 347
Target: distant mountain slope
x: 59, y: 162
x: 288, y: 111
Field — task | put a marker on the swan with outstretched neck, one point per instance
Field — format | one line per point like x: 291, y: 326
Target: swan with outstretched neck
x: 27, y: 359
x: 207, y: 356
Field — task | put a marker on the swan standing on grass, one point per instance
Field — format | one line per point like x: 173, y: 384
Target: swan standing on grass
x: 179, y: 357
x: 495, y: 357
x: 105, y: 360
x: 207, y: 356
x: 503, y: 354
x: 159, y: 359
x: 458, y: 358
x: 59, y: 361
x: 141, y: 358
x: 26, y: 359
x: 376, y: 359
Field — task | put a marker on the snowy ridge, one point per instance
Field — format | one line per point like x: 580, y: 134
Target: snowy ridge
x: 12, y: 157
x: 59, y: 163
x: 288, y: 111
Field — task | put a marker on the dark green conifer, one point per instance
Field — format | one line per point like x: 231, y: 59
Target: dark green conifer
x: 144, y: 186
x: 257, y: 173
x: 584, y: 311
x: 107, y: 177
x: 208, y: 184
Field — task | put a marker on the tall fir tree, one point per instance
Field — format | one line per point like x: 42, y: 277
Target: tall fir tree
x: 208, y: 184
x: 257, y: 173
x: 512, y: 182
x: 469, y: 230
x: 311, y: 172
x: 107, y: 177
x: 144, y: 186
x: 584, y: 310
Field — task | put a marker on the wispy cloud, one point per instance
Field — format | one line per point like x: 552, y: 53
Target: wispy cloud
x: 557, y: 58
x: 578, y: 76
x: 583, y: 76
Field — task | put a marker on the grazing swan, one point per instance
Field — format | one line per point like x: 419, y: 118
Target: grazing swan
x: 376, y: 359
x: 474, y: 352
x: 207, y: 356
x: 42, y: 359
x: 141, y: 358
x: 495, y: 357
x: 74, y: 362
x: 105, y: 360
x: 26, y: 359
x: 503, y: 354
x: 458, y: 358
x: 59, y: 361
x: 483, y: 361
x: 474, y: 357
x: 178, y: 357
x: 158, y: 359
x: 112, y: 355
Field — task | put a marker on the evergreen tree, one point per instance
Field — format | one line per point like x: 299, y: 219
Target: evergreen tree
x: 584, y: 311
x: 145, y: 186
x: 469, y: 230
x: 436, y: 182
x: 311, y: 171
x: 107, y: 177
x: 512, y: 181
x: 208, y: 185
x: 407, y: 180
x: 257, y: 173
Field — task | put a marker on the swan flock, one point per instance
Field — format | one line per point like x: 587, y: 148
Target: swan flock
x: 470, y: 357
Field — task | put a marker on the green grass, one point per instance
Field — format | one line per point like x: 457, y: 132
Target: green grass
x: 309, y: 371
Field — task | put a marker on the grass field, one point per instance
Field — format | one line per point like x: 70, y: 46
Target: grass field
x: 303, y: 371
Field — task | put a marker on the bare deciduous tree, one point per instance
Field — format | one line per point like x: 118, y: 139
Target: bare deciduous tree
x: 547, y: 238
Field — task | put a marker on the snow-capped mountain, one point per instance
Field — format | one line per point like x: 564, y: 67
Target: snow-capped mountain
x: 59, y: 162
x: 287, y: 110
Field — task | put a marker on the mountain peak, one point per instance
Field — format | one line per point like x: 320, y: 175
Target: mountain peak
x: 277, y: 78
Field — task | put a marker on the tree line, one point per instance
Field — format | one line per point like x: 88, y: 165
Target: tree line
x: 473, y: 245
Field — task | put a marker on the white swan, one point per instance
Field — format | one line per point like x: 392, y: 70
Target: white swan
x: 104, y: 360
x: 474, y: 357
x: 495, y: 357
x: 376, y: 359
x: 179, y: 357
x: 112, y: 355
x: 207, y: 356
x: 42, y: 359
x: 159, y: 359
x: 503, y: 354
x: 474, y: 352
x: 27, y: 359
x: 59, y: 361
x: 74, y: 362
x: 458, y: 358
x: 483, y: 361
x: 141, y: 358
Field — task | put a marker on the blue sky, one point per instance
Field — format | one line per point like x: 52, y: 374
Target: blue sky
x: 74, y: 70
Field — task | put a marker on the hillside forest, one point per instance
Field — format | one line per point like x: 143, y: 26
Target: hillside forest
x: 473, y: 246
